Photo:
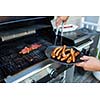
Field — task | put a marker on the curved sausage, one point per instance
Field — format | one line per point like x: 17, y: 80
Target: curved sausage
x: 63, y: 51
x: 69, y: 59
x: 67, y: 50
x: 59, y: 57
x: 64, y: 58
x: 55, y: 50
x: 72, y: 54
x: 53, y: 54
x: 77, y: 53
x: 57, y: 53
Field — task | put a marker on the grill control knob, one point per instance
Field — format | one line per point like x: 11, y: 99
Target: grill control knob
x: 52, y: 72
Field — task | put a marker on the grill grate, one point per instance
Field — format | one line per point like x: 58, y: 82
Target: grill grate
x: 11, y: 62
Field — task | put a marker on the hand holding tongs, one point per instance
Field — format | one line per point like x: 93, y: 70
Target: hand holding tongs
x: 57, y: 30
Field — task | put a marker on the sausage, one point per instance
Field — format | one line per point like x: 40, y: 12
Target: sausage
x: 64, y: 58
x: 59, y: 57
x: 67, y: 50
x: 77, y: 53
x: 53, y: 54
x: 72, y: 54
x: 63, y: 51
x: 65, y: 55
x: 69, y: 59
x: 55, y: 50
x: 57, y: 53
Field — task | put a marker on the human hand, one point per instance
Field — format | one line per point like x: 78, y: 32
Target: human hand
x: 89, y: 63
x: 61, y: 19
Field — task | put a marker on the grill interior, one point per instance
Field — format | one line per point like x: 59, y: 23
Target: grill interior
x: 11, y: 62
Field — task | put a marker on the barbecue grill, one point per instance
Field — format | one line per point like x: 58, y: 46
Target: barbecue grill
x: 19, y: 32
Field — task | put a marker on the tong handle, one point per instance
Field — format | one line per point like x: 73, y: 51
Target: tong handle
x: 57, y: 30
x: 61, y: 35
x: 61, y: 39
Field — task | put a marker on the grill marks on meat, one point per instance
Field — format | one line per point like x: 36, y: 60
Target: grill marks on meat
x: 32, y: 47
x: 65, y: 54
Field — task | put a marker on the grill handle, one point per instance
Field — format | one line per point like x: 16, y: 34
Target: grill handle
x: 17, y: 35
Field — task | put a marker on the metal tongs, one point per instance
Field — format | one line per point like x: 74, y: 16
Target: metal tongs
x: 61, y: 35
x: 56, y: 38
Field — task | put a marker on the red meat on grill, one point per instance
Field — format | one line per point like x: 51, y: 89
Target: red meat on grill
x: 32, y: 47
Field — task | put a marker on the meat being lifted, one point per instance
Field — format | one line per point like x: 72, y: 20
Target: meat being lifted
x: 32, y: 47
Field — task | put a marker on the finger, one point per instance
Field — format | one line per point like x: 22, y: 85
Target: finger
x: 85, y: 58
x: 58, y: 22
x: 64, y: 22
x: 80, y: 64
